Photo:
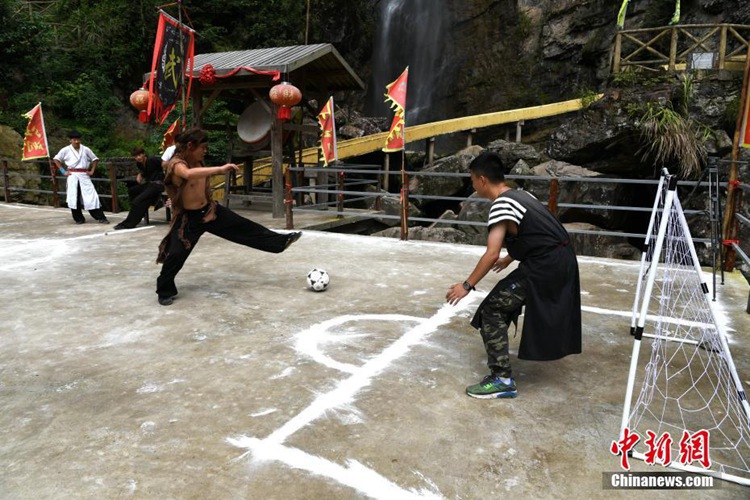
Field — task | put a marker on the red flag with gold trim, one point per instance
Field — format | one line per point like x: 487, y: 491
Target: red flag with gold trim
x: 35, y: 139
x: 170, y: 134
x: 328, y: 151
x: 396, y: 94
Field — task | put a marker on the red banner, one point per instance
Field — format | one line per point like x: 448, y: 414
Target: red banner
x: 171, y: 66
x: 396, y: 91
x: 35, y: 139
x: 327, y: 122
x: 396, y: 94
x: 170, y: 134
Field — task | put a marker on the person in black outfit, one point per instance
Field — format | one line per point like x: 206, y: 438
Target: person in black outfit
x: 147, y: 191
x: 546, y: 280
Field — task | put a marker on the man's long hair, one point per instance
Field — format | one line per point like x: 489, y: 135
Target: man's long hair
x: 196, y: 135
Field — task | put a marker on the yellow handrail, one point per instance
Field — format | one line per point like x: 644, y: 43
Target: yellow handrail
x: 367, y: 144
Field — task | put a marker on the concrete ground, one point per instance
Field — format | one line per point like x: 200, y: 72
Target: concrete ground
x: 252, y: 386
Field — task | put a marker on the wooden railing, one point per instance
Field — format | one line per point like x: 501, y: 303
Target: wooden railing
x: 680, y: 47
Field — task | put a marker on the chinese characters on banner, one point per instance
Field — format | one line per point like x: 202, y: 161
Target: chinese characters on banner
x: 693, y: 448
x: 328, y: 152
x: 35, y: 139
x: 173, y: 59
x: 396, y: 94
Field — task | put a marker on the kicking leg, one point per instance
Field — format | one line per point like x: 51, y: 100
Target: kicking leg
x: 237, y: 229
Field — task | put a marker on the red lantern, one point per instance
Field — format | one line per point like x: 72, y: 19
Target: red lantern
x: 285, y: 95
x: 139, y: 99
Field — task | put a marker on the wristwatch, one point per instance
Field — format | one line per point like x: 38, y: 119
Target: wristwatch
x: 468, y: 287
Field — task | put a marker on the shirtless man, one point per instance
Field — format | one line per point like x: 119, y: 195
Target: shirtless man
x: 187, y: 184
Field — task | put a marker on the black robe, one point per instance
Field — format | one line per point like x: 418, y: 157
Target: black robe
x: 552, y: 322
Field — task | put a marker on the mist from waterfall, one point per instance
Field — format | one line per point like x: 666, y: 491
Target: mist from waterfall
x: 410, y: 33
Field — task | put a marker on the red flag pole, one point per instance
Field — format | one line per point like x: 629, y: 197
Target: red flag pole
x: 729, y: 223
x: 182, y: 51
x: 55, y: 187
x: 404, y: 196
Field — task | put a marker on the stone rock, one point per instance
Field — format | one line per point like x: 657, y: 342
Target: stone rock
x: 11, y: 143
x: 445, y: 235
x: 352, y: 123
x: 613, y: 247
x: 581, y: 193
x: 555, y: 168
x: 719, y: 144
x: 475, y: 209
x: 389, y: 205
x: 448, y: 215
x: 350, y: 132
x: 602, y: 138
x: 445, y: 186
x: 512, y: 152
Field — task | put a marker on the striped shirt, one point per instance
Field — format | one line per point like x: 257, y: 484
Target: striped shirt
x: 506, y: 208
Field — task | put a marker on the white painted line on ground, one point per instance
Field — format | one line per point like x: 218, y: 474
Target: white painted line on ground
x: 354, y: 474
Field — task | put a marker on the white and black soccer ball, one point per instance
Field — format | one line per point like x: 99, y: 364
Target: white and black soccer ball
x: 318, y: 280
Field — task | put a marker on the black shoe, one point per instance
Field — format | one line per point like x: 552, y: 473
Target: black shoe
x: 291, y: 238
x: 166, y: 301
x: 103, y: 221
x: 121, y: 226
x: 80, y: 222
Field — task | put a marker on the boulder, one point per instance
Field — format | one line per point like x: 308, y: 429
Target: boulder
x: 614, y: 247
x: 476, y: 210
x: 445, y: 186
x: 581, y: 193
x: 445, y: 234
x: 389, y: 205
x: 512, y: 152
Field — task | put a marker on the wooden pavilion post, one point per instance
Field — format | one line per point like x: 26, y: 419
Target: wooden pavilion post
x: 618, y: 53
x: 673, y: 50
x: 114, y: 202
x: 277, y: 169
x: 6, y: 180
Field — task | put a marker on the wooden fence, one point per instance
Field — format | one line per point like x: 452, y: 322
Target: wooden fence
x: 681, y: 47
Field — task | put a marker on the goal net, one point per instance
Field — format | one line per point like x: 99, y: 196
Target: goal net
x: 685, y: 402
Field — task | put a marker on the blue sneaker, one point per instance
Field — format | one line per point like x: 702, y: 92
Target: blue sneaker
x: 492, y: 387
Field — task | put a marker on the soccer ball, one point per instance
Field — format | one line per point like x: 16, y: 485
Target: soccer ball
x: 318, y: 280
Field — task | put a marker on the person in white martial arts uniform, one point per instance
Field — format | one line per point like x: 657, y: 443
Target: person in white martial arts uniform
x: 78, y: 163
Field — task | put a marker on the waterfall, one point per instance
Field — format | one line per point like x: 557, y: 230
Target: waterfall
x: 410, y: 33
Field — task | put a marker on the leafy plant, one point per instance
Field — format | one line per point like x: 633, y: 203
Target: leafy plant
x: 671, y: 138
x: 588, y: 97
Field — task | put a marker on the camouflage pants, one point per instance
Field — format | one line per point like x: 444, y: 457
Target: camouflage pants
x: 498, y: 311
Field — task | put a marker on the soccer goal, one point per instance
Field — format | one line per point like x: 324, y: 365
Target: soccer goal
x: 690, y: 409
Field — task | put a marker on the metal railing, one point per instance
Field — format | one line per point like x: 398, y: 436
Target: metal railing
x: 52, y: 184
x: 345, y: 197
